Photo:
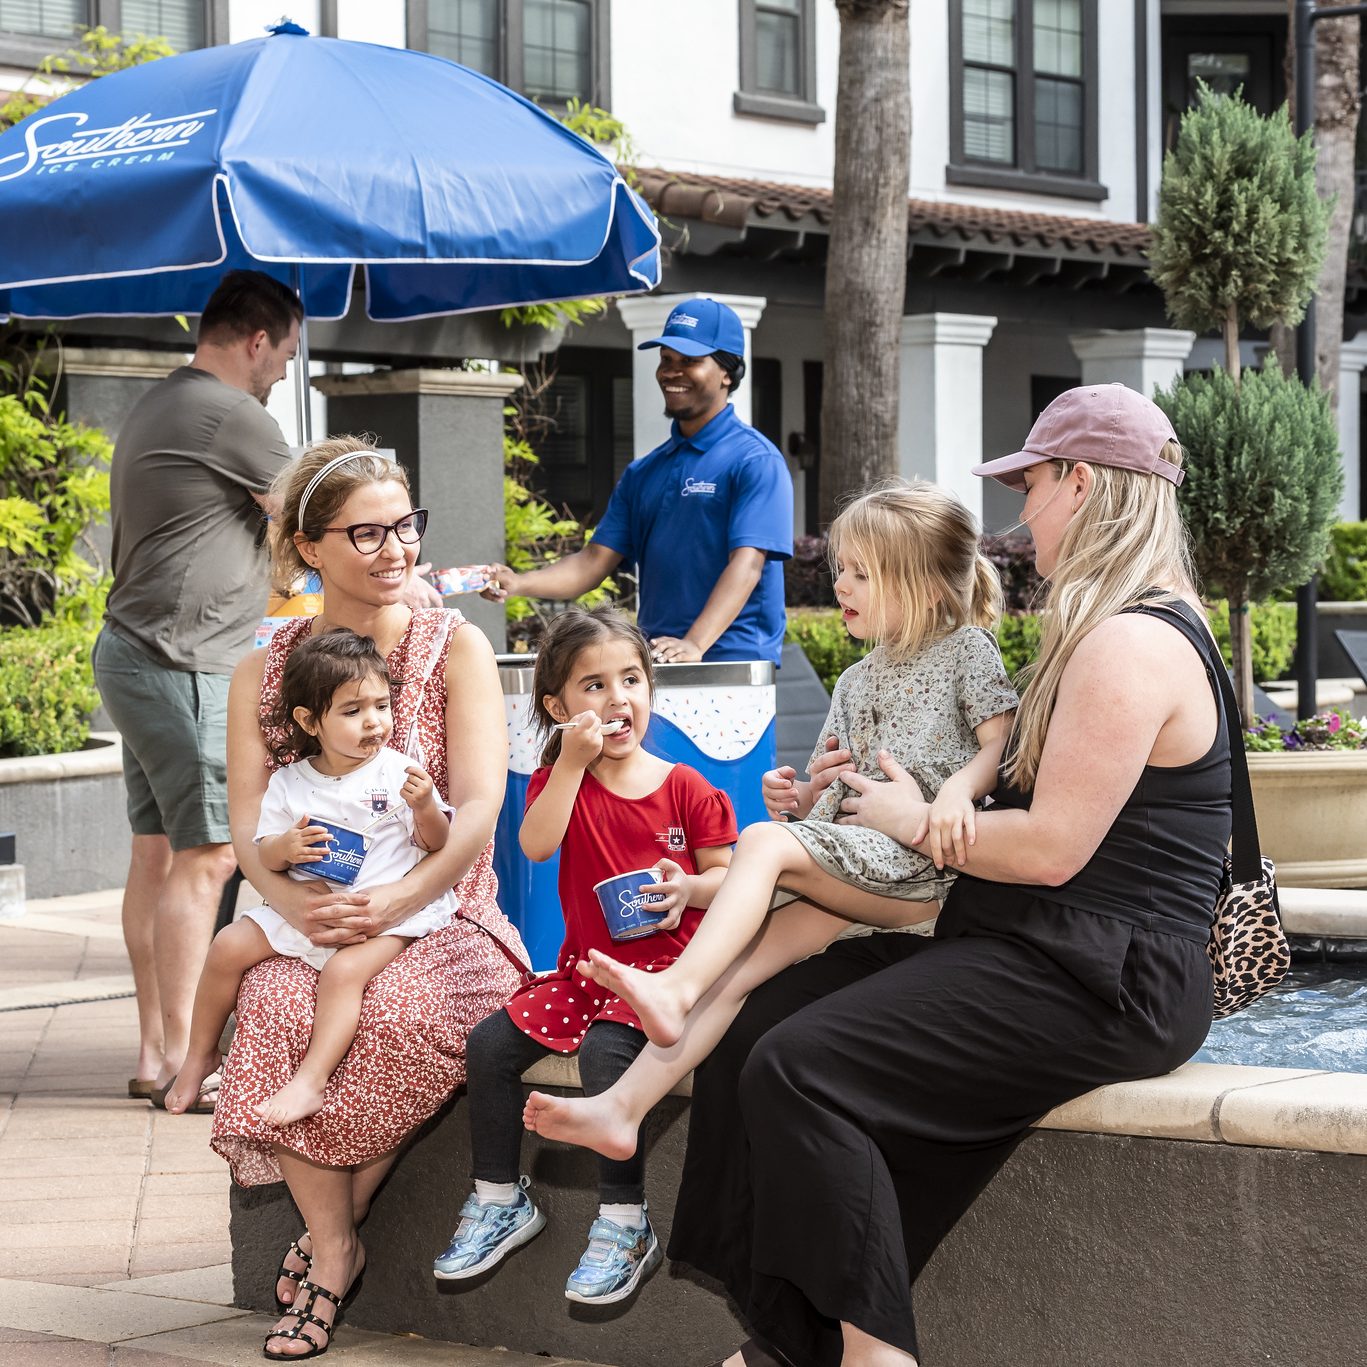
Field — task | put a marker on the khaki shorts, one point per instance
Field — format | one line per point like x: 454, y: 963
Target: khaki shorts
x: 174, y: 725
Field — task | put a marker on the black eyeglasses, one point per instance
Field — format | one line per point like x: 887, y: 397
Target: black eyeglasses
x: 369, y: 537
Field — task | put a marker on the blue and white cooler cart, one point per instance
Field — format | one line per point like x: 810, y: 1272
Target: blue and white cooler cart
x: 717, y: 718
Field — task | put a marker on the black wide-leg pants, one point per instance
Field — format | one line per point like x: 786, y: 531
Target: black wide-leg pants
x: 865, y: 1097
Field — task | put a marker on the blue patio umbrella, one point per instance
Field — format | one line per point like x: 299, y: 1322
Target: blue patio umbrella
x: 310, y: 159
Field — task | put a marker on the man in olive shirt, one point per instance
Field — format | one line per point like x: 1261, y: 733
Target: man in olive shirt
x: 190, y: 472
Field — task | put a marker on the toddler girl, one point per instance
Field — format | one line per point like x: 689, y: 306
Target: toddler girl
x: 610, y: 808
x: 933, y: 694
x: 335, y: 706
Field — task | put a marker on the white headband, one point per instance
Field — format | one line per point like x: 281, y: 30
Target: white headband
x: 328, y: 469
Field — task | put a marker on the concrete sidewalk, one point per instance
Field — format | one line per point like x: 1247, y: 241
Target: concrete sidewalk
x: 113, y: 1215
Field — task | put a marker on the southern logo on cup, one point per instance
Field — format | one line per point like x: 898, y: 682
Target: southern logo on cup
x: 630, y: 903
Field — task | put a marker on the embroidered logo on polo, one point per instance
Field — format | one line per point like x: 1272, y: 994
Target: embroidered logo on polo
x: 697, y: 486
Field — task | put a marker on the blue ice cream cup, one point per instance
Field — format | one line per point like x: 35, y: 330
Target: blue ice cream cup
x: 626, y: 909
x: 345, y: 853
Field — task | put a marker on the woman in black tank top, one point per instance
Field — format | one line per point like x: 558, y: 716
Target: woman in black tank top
x: 881, y: 1084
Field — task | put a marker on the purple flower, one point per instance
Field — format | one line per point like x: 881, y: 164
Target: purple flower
x: 1291, y: 741
x: 1335, y: 722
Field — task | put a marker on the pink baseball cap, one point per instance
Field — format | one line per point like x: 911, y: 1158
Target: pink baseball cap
x: 1102, y: 424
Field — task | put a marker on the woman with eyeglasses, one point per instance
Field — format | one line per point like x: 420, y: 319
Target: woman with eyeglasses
x: 346, y: 512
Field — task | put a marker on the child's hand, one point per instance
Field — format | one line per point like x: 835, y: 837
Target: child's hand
x: 778, y: 788
x: 675, y: 888
x: 951, y: 824
x: 829, y: 766
x: 417, y: 788
x: 583, y: 743
x: 300, y: 844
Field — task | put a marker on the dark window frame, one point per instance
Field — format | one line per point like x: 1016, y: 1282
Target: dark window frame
x: 511, y: 30
x: 749, y: 100
x: 1025, y: 175
x: 29, y: 50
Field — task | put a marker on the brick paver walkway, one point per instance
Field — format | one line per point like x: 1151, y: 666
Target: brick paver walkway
x: 113, y: 1215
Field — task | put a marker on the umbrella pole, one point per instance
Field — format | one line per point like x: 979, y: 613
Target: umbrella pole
x: 302, y: 408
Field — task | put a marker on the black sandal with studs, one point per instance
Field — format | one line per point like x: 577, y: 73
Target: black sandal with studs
x: 285, y: 1274
x: 302, y: 1312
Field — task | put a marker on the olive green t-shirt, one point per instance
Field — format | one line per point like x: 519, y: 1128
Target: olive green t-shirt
x: 190, y: 579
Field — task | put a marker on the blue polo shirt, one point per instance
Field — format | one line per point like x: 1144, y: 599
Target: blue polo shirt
x: 680, y: 511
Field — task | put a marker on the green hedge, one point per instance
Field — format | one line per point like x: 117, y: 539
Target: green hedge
x: 832, y: 650
x: 47, y: 688
x: 1344, y: 576
x: 1274, y: 636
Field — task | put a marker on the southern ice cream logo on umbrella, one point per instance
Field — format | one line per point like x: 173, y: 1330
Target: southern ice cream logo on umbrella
x: 66, y: 148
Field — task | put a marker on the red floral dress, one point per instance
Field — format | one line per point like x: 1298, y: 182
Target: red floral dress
x: 608, y: 835
x: 409, y: 1051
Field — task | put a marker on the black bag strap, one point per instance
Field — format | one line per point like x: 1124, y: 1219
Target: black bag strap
x: 1246, y: 855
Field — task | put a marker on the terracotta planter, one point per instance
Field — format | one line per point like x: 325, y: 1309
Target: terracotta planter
x: 1312, y: 816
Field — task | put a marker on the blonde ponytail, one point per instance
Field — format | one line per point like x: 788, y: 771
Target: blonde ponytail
x: 985, y: 604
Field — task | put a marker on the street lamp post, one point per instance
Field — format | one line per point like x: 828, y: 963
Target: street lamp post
x: 1308, y: 14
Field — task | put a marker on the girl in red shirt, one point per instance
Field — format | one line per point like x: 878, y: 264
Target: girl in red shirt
x: 609, y: 807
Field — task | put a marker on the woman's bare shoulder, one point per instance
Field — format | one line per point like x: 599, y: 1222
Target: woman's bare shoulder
x: 250, y: 671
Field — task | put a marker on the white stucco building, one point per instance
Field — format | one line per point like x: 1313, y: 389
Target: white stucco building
x: 1038, y: 128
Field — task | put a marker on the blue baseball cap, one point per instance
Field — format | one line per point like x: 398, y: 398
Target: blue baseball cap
x: 698, y: 327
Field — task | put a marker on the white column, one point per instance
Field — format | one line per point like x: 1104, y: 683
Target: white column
x: 940, y: 422
x: 1352, y: 361
x: 1142, y: 358
x: 645, y: 317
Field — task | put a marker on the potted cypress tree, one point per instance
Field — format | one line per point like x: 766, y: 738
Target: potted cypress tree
x: 1240, y: 240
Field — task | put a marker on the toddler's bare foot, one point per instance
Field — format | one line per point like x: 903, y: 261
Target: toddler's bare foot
x: 661, y: 1007
x: 591, y: 1122
x: 296, y: 1100
x: 185, y: 1090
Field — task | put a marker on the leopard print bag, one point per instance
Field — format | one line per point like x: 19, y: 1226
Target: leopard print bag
x: 1248, y: 948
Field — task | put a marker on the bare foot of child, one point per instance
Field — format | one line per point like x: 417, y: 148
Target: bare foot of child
x: 591, y: 1122
x: 296, y: 1100
x: 185, y: 1090
x: 661, y: 1007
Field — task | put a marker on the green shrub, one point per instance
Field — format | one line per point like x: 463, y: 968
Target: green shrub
x: 54, y: 484
x: 47, y: 688
x: 1344, y: 577
x: 829, y: 648
x: 1018, y: 638
x: 1273, y: 629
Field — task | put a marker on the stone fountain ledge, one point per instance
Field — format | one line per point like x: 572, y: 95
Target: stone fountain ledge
x: 1211, y: 1103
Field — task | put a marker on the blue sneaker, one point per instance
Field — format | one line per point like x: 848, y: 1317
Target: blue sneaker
x: 487, y: 1233
x: 614, y: 1264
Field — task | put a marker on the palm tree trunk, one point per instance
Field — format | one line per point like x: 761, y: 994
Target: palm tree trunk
x: 1337, y: 104
x: 866, y: 267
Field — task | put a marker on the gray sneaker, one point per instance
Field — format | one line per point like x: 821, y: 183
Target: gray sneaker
x: 614, y: 1264
x: 487, y: 1233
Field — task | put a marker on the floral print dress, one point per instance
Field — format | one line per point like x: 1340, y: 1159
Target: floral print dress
x: 409, y: 1052
x: 924, y: 711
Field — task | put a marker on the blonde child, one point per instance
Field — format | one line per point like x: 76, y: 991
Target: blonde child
x: 933, y: 694
x: 335, y: 704
x: 610, y: 808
